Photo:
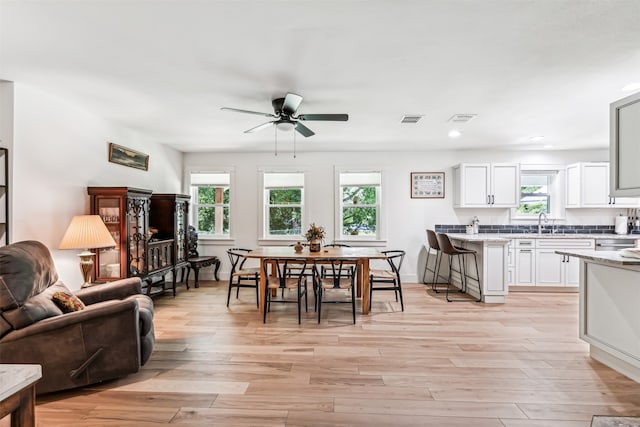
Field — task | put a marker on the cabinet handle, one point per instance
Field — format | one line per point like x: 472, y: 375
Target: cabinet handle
x: 493, y: 199
x: 609, y: 199
x: 488, y: 199
x: 614, y: 200
x: 525, y: 250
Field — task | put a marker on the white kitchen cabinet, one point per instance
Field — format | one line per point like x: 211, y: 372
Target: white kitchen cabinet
x: 525, y: 263
x: 537, y: 263
x: 588, y: 187
x: 486, y: 185
x: 549, y: 268
x: 511, y: 263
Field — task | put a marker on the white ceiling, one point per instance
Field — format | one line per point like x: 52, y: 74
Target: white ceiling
x: 526, y: 67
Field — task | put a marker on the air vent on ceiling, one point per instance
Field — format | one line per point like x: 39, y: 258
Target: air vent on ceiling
x: 411, y: 118
x: 462, y: 118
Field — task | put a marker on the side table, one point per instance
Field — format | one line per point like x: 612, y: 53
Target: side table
x: 18, y: 393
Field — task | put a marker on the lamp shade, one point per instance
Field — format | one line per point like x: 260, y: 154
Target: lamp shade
x: 85, y: 232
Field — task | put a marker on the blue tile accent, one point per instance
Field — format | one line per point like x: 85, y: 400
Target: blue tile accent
x: 519, y: 229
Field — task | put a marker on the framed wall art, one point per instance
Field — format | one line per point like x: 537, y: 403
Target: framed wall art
x: 128, y: 157
x: 427, y: 185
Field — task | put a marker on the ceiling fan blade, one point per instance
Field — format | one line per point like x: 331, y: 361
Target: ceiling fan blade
x: 291, y: 103
x: 325, y: 117
x: 303, y: 130
x: 259, y: 127
x: 235, y: 110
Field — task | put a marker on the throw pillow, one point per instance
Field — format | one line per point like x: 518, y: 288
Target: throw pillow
x: 67, y: 302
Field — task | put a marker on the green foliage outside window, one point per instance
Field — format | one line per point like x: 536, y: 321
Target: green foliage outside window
x: 534, y: 199
x: 207, y: 208
x: 285, y: 212
x: 359, y: 213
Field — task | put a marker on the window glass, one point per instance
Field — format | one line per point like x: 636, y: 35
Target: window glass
x: 210, y: 193
x: 535, y: 194
x: 284, y: 196
x: 359, y: 204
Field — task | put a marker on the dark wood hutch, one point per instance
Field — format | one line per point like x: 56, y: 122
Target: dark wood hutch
x: 139, y: 252
x: 169, y: 214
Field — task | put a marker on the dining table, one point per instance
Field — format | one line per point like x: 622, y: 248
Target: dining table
x: 360, y: 255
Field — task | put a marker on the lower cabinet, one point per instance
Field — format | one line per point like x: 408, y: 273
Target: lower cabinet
x: 538, y: 264
x: 525, y: 262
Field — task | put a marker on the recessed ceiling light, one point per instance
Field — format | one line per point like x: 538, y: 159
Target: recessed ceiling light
x: 547, y: 146
x: 454, y: 133
x: 536, y: 138
x: 632, y: 86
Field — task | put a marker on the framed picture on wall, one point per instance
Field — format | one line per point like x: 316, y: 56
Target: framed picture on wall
x: 127, y: 157
x: 427, y: 185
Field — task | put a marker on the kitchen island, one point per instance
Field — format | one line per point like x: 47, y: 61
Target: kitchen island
x: 492, y: 252
x: 609, y: 316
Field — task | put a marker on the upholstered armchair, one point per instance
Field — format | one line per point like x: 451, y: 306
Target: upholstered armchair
x: 109, y: 336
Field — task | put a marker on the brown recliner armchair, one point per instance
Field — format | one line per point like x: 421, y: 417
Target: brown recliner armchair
x: 111, y: 337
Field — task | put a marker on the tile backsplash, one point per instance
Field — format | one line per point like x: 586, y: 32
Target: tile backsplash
x: 512, y: 228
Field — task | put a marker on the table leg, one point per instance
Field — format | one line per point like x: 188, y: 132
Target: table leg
x: 21, y: 406
x: 263, y: 284
x: 364, y: 279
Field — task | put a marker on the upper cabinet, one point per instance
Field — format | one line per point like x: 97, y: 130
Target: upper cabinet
x: 624, y: 126
x: 588, y: 187
x: 486, y: 185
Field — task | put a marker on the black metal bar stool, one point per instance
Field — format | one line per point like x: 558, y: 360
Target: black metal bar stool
x: 432, y: 239
x: 447, y: 248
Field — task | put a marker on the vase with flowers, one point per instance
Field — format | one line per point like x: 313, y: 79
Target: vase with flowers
x: 314, y: 235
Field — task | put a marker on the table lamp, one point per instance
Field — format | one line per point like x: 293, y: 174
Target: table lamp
x: 85, y: 232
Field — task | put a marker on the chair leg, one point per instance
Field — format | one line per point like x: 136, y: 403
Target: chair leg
x: 319, y: 302
x: 370, y: 293
x: 229, y: 292
x: 299, y: 303
x: 353, y: 302
x: 267, y: 301
x: 426, y: 267
x: 436, y: 273
x: 400, y: 292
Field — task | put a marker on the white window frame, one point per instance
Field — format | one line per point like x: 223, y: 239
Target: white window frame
x: 264, y: 202
x: 380, y: 236
x: 556, y: 191
x: 204, y: 237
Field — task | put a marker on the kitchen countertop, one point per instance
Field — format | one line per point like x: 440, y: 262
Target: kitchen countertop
x: 605, y: 257
x: 481, y: 237
x: 494, y: 237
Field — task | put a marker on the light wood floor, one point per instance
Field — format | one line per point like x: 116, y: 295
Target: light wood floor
x: 437, y: 364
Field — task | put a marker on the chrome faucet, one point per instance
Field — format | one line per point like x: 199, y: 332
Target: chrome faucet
x: 546, y: 220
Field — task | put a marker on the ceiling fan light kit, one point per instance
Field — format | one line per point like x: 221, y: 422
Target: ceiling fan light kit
x: 284, y: 110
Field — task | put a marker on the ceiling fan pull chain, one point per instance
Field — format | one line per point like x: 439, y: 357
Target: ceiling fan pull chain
x: 276, y: 132
x: 294, y: 144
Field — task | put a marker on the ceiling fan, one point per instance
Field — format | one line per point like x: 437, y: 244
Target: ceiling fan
x: 284, y: 110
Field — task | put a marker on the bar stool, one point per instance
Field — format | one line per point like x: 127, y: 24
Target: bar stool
x: 447, y: 248
x: 432, y: 239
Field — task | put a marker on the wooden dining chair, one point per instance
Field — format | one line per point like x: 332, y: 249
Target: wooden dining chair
x: 339, y: 278
x: 389, y: 279
x: 241, y: 276
x: 286, y: 280
x: 326, y: 271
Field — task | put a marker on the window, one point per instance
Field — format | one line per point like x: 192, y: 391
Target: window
x: 210, y: 201
x: 541, y: 191
x: 535, y: 194
x: 359, y: 204
x: 283, y: 204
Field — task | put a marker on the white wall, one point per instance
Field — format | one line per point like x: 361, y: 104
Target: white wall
x: 59, y: 149
x: 407, y: 218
